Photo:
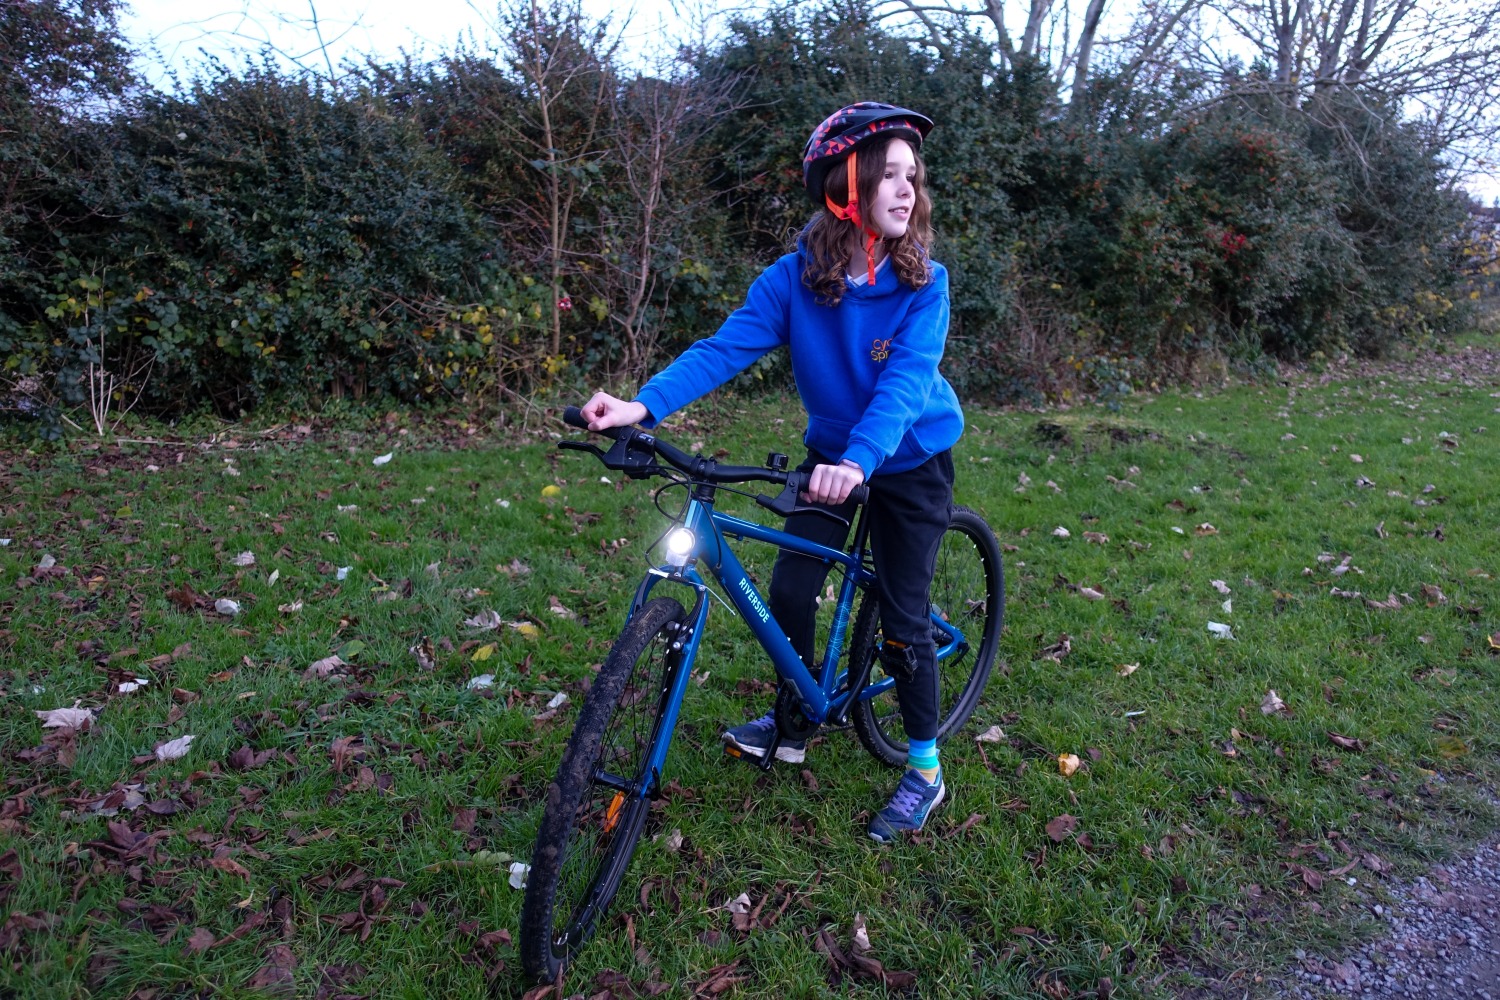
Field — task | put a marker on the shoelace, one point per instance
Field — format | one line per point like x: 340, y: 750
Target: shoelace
x: 765, y: 722
x: 906, y: 799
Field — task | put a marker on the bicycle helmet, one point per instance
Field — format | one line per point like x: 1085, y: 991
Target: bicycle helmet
x: 839, y: 138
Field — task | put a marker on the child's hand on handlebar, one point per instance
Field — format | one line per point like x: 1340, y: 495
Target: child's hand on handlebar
x: 604, y: 411
x: 832, y: 484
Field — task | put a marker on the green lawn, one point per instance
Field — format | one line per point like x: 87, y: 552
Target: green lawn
x: 339, y: 835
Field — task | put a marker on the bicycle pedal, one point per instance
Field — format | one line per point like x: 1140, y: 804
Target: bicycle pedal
x: 763, y: 763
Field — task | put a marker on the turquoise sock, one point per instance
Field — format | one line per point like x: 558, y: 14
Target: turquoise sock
x: 922, y: 755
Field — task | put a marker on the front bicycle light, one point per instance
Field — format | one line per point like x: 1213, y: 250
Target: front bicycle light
x: 680, y: 543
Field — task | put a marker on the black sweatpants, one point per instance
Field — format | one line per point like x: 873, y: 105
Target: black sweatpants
x: 908, y: 514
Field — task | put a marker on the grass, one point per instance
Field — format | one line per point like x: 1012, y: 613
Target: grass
x: 345, y: 855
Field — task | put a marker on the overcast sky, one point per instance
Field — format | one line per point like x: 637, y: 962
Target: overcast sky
x: 182, y: 31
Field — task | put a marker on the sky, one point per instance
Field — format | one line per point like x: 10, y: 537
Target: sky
x: 183, y: 31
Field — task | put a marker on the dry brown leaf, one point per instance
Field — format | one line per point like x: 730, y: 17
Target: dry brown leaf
x: 1060, y: 826
x: 1272, y: 704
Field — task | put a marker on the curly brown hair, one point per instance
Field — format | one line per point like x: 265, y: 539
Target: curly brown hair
x: 827, y: 238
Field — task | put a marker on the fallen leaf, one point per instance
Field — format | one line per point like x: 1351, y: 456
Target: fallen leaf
x: 174, y: 749
x: 325, y: 667
x: 1067, y: 764
x: 279, y: 972
x: 1059, y: 828
x: 1205, y: 529
x: 484, y: 652
x: 231, y: 867
x: 65, y: 718
x: 1312, y: 879
x: 673, y: 843
x: 1062, y: 647
x: 861, y: 936
x: 382, y: 459
x: 994, y: 734
x: 1272, y: 704
x: 1062, y: 532
x: 558, y: 609
x: 481, y: 682
x: 1097, y: 537
x: 1219, y: 585
x: 225, y: 606
x: 200, y: 940
x: 1434, y: 595
x: 1391, y: 603
x: 1126, y: 669
x: 488, y: 620
x: 244, y: 559
x: 1347, y: 742
x: 1090, y: 593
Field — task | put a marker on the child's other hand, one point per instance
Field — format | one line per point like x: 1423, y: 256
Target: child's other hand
x: 832, y: 484
x: 604, y: 411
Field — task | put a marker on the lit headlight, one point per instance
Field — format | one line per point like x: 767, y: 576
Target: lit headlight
x: 680, y: 542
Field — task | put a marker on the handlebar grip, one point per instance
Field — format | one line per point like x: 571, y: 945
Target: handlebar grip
x: 860, y: 494
x: 573, y: 416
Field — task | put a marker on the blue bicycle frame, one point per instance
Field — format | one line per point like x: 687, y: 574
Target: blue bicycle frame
x: 820, y: 696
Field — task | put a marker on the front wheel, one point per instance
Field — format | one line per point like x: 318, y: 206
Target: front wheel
x: 966, y: 606
x: 597, y: 806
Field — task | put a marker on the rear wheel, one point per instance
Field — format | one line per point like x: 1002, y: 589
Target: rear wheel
x: 596, y: 808
x: 967, y: 609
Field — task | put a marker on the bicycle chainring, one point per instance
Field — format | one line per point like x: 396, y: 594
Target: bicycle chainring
x: 790, y: 719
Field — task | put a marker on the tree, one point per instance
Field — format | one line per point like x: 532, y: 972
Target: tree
x: 1437, y: 61
x: 565, y: 63
x: 1060, y: 34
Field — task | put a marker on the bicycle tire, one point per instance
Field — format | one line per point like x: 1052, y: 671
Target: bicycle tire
x: 586, y: 823
x: 970, y: 576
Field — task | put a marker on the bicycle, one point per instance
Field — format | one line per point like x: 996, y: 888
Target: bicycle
x: 611, y: 769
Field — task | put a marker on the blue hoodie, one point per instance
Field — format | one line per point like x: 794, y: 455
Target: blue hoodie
x: 866, y: 369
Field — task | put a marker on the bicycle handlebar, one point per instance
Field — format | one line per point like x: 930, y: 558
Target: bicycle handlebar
x: 634, y: 449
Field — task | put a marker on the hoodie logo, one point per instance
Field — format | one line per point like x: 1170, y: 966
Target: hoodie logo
x: 881, y: 350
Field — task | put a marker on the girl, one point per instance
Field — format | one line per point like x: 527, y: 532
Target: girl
x: 864, y: 312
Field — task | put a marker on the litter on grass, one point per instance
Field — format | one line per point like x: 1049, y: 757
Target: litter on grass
x: 1221, y: 630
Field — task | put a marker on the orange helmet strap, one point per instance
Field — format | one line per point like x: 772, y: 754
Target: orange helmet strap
x: 851, y: 213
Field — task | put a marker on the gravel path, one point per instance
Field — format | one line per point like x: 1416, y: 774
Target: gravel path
x: 1442, y: 940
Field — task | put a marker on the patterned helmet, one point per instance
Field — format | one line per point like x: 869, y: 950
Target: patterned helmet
x: 849, y: 129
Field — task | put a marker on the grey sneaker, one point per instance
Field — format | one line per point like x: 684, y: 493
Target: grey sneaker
x: 753, y: 737
x: 909, y: 807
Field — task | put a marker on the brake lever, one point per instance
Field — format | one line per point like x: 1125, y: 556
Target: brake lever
x: 592, y: 449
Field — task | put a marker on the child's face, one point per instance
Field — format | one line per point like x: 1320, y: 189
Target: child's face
x: 897, y: 194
